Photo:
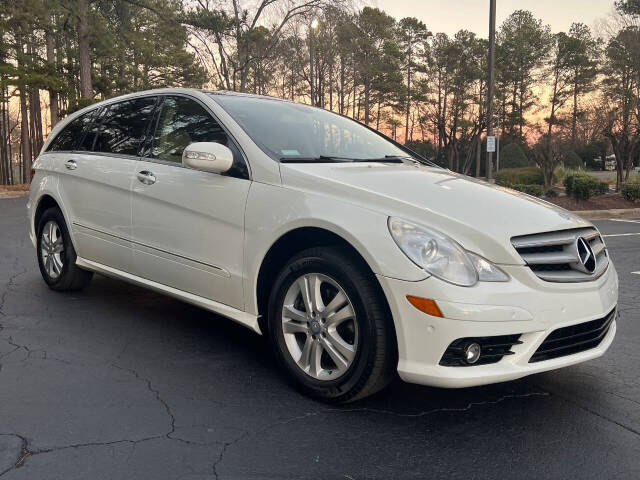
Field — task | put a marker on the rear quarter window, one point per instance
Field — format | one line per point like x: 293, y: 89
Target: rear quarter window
x: 68, y: 139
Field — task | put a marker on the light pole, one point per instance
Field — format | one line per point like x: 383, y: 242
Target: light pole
x: 498, y: 135
x: 312, y: 27
x: 490, y: 82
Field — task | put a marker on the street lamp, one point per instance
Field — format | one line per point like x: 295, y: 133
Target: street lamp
x: 491, y: 83
x: 313, y: 26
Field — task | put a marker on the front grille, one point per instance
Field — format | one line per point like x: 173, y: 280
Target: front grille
x: 574, y: 339
x: 556, y: 256
x: 493, y: 349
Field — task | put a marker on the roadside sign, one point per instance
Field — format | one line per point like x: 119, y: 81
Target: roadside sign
x: 491, y: 144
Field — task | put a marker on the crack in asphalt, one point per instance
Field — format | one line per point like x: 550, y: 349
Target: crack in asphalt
x: 597, y: 414
x: 225, y: 446
x: 26, y: 452
x: 156, y: 393
x: 468, y: 407
x: 325, y: 411
x: 8, y: 285
x: 22, y: 453
x: 171, y: 434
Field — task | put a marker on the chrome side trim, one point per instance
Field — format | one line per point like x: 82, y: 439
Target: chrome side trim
x: 182, y: 257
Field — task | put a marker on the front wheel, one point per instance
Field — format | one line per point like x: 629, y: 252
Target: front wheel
x: 330, y: 327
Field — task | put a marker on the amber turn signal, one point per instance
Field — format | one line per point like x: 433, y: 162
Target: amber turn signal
x: 425, y: 305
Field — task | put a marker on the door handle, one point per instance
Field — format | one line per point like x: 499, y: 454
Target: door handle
x: 146, y: 177
x: 71, y: 164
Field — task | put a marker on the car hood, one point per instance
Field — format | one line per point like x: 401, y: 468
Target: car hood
x: 480, y: 216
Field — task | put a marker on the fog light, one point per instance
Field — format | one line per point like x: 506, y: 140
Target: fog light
x: 472, y: 353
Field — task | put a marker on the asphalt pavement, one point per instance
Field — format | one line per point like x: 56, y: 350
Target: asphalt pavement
x: 116, y: 382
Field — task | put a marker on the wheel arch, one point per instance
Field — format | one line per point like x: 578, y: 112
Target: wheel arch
x: 45, y: 202
x: 293, y: 242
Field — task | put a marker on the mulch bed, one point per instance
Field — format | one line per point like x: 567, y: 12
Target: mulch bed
x: 23, y: 187
x: 600, y: 202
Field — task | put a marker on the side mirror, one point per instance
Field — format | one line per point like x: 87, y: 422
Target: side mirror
x: 207, y: 156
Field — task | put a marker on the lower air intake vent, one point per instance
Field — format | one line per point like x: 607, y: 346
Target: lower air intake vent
x: 492, y: 350
x: 574, y: 339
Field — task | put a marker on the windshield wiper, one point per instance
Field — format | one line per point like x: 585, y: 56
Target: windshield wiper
x: 385, y: 159
x: 331, y: 159
x: 319, y: 159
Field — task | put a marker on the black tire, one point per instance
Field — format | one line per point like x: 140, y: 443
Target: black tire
x: 375, y: 361
x: 71, y: 277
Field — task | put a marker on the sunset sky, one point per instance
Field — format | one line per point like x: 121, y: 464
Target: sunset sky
x: 449, y: 16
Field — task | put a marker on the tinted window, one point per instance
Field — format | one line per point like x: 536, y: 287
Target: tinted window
x: 90, y: 135
x: 183, y: 121
x: 124, y: 126
x: 70, y: 135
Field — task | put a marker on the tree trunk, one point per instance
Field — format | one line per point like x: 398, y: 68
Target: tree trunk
x: 25, y: 143
x: 342, y: 87
x: 367, y: 101
x: 51, y: 60
x: 574, y: 117
x: 4, y: 165
x: 35, y: 114
x: 406, y: 128
x: 478, y: 155
x: 86, y: 86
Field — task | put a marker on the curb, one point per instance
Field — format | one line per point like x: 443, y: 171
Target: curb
x: 604, y: 214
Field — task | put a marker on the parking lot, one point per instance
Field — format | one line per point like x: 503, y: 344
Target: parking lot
x: 118, y: 382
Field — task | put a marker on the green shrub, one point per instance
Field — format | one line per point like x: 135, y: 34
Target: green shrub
x: 585, y: 187
x: 603, y: 187
x: 512, y: 156
x: 570, y: 177
x: 551, y: 193
x: 572, y: 160
x: 535, y: 190
x: 631, y: 190
x: 509, y: 177
x: 561, y: 173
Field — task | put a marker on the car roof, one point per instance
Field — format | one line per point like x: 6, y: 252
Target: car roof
x: 247, y: 95
x: 169, y: 90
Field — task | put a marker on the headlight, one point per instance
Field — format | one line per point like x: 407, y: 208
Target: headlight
x: 487, y: 271
x: 442, y: 256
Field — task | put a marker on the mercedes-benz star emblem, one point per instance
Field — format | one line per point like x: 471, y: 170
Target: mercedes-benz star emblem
x: 585, y: 255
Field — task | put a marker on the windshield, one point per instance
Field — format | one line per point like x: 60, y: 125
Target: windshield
x: 290, y: 131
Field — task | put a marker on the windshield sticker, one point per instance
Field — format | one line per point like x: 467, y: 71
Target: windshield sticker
x: 290, y: 152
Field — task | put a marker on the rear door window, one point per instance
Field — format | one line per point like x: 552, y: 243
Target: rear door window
x: 123, y: 126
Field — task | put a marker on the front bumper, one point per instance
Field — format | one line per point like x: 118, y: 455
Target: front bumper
x: 525, y: 305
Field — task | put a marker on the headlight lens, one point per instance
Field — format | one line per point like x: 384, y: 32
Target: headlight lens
x: 441, y: 256
x: 487, y: 271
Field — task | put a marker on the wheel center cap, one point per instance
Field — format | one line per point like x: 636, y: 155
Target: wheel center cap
x: 315, y: 327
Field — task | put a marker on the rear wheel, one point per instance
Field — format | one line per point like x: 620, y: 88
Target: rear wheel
x: 330, y: 327
x: 56, y: 255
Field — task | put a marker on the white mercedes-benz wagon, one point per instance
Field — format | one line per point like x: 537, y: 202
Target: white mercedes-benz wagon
x: 357, y: 257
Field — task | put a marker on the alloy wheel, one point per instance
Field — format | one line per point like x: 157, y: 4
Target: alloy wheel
x: 320, y: 326
x: 52, y: 249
